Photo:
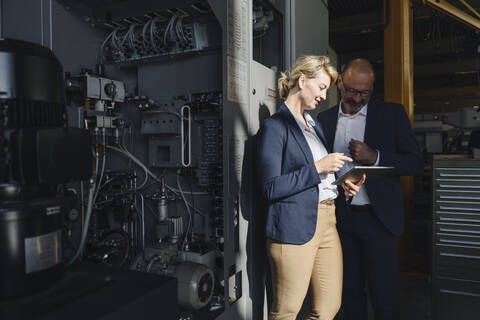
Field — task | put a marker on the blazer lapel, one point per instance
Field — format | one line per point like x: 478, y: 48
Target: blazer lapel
x: 319, y: 130
x: 330, y: 126
x: 297, y: 133
x: 372, y: 119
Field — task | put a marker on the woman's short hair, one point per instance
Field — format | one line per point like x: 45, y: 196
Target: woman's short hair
x: 307, y: 66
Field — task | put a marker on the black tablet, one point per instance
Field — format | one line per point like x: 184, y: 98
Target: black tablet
x: 356, y: 173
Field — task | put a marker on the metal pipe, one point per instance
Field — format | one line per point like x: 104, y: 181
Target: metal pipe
x: 182, y: 128
x: 142, y: 215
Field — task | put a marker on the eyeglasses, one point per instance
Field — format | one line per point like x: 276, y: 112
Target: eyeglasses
x: 353, y: 92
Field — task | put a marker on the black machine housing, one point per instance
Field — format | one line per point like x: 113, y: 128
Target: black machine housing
x: 37, y: 154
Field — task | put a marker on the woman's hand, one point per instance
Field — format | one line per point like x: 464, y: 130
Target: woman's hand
x: 332, y: 162
x: 352, y: 187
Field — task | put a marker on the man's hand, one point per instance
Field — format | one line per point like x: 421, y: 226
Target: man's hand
x: 362, y: 153
x: 351, y: 188
x: 332, y: 162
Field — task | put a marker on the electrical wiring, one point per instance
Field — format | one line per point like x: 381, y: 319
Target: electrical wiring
x: 152, y: 261
x: 141, y: 39
x: 138, y: 162
x: 113, y: 39
x: 168, y: 28
x: 106, y: 182
x: 101, y: 177
x: 179, y: 30
x: 86, y: 224
x: 141, y: 165
x: 156, y: 179
x: 131, y: 37
x: 191, y: 206
x: 99, y: 182
x: 152, y: 33
x: 190, y: 218
x: 102, y: 47
x: 144, y: 34
x: 125, y: 36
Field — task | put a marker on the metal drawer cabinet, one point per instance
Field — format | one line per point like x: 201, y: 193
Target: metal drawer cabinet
x: 456, y: 204
x: 457, y: 299
x: 456, y: 239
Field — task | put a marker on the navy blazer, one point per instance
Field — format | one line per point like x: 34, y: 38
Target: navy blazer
x: 288, y: 178
x: 388, y: 130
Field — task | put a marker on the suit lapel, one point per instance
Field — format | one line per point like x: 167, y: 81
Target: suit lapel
x: 330, y: 126
x: 372, y: 119
x: 297, y: 132
x: 319, y: 130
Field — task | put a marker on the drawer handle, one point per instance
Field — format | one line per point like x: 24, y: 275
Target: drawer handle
x: 460, y: 293
x: 460, y: 242
x: 458, y: 220
x: 459, y: 230
x: 458, y: 168
x: 456, y: 255
x: 458, y: 186
x: 460, y: 197
x: 462, y: 175
x: 458, y: 208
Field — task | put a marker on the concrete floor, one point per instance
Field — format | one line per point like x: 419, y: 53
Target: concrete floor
x: 415, y: 294
x: 416, y: 297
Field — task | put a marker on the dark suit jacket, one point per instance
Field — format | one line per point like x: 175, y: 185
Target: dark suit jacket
x: 288, y: 178
x: 388, y: 130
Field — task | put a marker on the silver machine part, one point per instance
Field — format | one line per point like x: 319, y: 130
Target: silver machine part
x: 195, y: 284
x: 43, y: 252
x: 162, y: 209
x: 104, y: 89
x: 176, y: 232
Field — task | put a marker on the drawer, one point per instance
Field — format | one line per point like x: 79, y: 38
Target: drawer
x: 457, y: 239
x: 460, y: 256
x: 457, y: 217
x: 456, y: 272
x: 457, y: 173
x: 457, y: 206
x: 456, y: 184
x: 457, y: 299
x: 457, y: 228
x: 457, y: 195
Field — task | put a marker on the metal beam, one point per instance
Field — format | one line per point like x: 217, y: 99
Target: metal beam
x: 465, y: 3
x: 398, y: 80
x: 398, y: 54
x: 454, y: 12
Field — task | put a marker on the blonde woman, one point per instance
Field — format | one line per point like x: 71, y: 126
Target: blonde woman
x: 296, y: 173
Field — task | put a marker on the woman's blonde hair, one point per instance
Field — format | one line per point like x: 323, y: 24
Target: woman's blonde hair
x: 307, y: 66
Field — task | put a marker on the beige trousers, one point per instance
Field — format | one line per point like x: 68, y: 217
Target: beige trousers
x: 316, y: 264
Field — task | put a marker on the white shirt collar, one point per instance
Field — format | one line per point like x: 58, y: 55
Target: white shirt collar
x: 308, y: 119
x: 363, y: 111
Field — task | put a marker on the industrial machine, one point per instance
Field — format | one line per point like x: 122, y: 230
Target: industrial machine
x: 154, y: 122
x: 38, y: 155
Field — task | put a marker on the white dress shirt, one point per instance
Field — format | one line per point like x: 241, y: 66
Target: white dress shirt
x: 326, y: 191
x: 352, y: 127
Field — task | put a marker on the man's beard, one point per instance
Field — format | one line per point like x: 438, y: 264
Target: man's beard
x: 353, y: 106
